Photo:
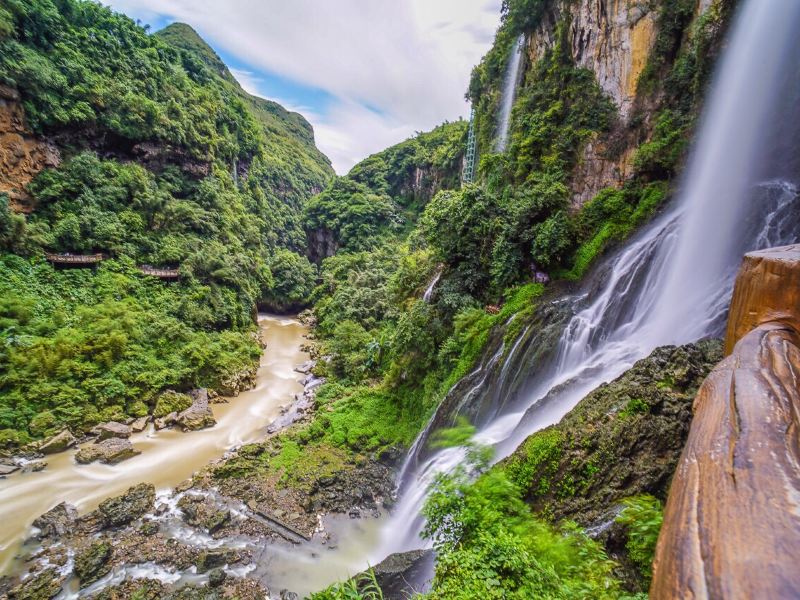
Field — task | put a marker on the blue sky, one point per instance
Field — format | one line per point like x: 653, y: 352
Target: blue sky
x: 366, y: 73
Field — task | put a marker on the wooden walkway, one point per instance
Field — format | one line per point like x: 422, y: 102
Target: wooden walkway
x: 74, y: 259
x: 160, y: 273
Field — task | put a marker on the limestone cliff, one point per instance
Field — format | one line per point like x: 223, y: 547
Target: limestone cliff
x: 617, y: 40
x: 22, y: 155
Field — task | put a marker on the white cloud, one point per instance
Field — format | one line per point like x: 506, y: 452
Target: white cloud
x: 392, y: 67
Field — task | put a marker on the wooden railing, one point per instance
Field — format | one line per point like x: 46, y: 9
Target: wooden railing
x: 162, y: 273
x: 732, y: 521
x: 74, y: 259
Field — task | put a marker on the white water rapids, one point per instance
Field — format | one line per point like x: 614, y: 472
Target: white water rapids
x: 672, y: 283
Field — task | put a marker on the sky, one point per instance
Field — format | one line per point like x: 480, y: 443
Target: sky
x: 366, y: 73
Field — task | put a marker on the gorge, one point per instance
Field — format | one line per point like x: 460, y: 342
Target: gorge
x: 492, y: 384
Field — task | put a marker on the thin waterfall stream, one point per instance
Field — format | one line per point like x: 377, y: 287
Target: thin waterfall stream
x: 509, y: 93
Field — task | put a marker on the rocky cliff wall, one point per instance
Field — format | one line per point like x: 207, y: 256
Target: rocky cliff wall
x: 614, y: 39
x: 22, y: 155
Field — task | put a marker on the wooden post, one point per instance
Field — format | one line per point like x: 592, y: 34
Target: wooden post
x: 732, y: 520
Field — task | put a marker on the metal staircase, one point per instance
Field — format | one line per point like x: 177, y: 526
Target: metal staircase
x: 468, y: 173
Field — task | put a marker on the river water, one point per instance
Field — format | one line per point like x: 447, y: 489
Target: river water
x: 168, y: 456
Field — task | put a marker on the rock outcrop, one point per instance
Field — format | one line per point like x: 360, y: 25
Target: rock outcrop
x: 198, y: 415
x: 731, y: 524
x: 58, y: 443
x: 57, y: 521
x: 110, y: 451
x: 112, y: 429
x: 22, y: 155
x: 121, y: 510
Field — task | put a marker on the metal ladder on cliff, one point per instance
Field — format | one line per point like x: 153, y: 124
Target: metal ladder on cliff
x: 468, y: 172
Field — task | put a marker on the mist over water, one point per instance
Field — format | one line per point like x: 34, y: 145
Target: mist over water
x: 672, y: 282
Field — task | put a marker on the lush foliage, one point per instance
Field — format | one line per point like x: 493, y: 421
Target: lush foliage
x: 79, y: 347
x: 489, y: 545
x: 642, y: 516
x: 195, y: 174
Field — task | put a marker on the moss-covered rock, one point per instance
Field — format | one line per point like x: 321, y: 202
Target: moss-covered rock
x: 127, y: 507
x: 170, y: 402
x: 624, y: 439
x: 93, y: 562
x: 43, y: 586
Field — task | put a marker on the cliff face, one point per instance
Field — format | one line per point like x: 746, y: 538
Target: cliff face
x: 22, y: 155
x: 615, y: 40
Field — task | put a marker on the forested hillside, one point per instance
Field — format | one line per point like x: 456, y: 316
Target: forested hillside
x: 162, y: 160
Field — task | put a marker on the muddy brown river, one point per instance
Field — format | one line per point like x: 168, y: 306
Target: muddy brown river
x: 169, y: 457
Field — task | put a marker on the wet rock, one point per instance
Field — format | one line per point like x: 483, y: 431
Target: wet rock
x: 57, y: 521
x: 211, y: 559
x: 165, y: 421
x: 216, y: 577
x: 201, y: 511
x: 306, y: 367
x: 404, y: 574
x: 110, y: 452
x: 140, y: 424
x: 198, y: 415
x: 8, y: 468
x: 58, y: 443
x: 128, y: 507
x: 287, y: 595
x: 112, y: 429
x: 149, y: 528
x: 34, y: 466
x: 93, y: 562
x: 42, y: 586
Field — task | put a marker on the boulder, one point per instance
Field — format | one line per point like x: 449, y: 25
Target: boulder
x: 7, y: 468
x: 110, y: 452
x: 46, y: 584
x: 216, y: 577
x: 93, y: 562
x: 58, y: 443
x: 139, y: 424
x: 198, y: 415
x: 112, y: 429
x: 57, y: 521
x: 123, y: 509
x: 211, y: 559
x: 165, y: 421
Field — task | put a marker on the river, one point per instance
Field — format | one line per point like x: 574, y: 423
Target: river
x: 169, y: 456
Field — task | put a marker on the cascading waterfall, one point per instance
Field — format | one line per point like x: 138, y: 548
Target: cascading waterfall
x: 672, y: 282
x: 509, y: 89
x: 426, y: 297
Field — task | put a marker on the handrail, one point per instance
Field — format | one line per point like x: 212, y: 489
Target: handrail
x: 732, y: 520
x: 74, y: 258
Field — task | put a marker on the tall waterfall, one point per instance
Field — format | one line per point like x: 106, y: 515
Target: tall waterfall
x: 671, y: 284
x: 509, y: 90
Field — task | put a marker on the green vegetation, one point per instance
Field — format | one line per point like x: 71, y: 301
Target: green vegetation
x: 642, y: 516
x: 360, y: 587
x: 195, y: 174
x: 490, y: 545
x: 78, y: 347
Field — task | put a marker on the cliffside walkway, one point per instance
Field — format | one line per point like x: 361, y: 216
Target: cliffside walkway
x: 74, y: 259
x: 732, y: 520
x: 160, y: 273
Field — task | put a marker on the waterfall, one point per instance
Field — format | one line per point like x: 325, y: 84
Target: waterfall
x: 426, y: 297
x: 671, y: 284
x: 509, y: 89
